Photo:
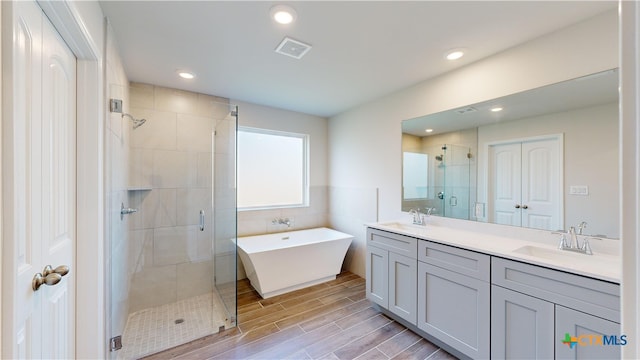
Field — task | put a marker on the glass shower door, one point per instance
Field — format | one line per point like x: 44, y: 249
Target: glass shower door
x: 456, y: 181
x: 225, y: 219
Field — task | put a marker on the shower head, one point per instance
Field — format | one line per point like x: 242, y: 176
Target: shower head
x: 136, y: 122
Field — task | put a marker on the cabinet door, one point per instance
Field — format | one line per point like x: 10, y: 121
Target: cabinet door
x: 403, y: 274
x: 377, y: 280
x: 455, y: 309
x: 522, y: 327
x: 595, y: 338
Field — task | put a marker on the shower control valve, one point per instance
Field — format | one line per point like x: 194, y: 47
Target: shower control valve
x: 126, y: 211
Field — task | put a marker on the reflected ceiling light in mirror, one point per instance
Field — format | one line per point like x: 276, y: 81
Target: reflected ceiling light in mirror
x: 454, y: 54
x: 283, y: 14
x: 186, y: 75
x: 496, y: 109
x: 429, y: 130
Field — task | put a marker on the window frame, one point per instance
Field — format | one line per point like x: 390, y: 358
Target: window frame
x: 305, y: 167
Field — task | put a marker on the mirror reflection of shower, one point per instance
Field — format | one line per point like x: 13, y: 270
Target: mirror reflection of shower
x: 136, y: 122
x: 438, y: 175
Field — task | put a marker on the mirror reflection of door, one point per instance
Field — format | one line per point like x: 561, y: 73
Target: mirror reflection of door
x: 525, y: 183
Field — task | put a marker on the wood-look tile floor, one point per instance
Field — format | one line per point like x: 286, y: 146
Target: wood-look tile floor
x: 332, y: 320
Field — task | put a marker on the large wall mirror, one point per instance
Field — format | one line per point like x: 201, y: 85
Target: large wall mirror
x: 546, y: 158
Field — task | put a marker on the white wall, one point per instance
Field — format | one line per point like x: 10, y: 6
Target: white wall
x: 630, y: 175
x: 373, y: 160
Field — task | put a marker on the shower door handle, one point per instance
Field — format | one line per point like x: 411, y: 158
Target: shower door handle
x: 201, y: 220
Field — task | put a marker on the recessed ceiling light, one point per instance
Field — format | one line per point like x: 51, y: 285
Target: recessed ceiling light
x: 496, y: 109
x: 283, y: 14
x: 454, y: 54
x: 429, y: 130
x: 186, y: 75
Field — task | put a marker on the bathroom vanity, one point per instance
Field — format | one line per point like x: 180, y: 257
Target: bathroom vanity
x: 483, y: 296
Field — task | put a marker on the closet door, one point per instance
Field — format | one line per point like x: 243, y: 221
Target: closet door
x: 541, y: 184
x: 505, y: 183
x: 525, y: 183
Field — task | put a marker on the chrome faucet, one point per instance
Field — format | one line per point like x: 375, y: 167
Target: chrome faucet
x: 281, y: 221
x: 581, y: 227
x: 419, y: 218
x: 416, y: 216
x: 572, y: 244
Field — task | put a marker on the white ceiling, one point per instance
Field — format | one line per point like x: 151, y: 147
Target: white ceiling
x: 362, y: 50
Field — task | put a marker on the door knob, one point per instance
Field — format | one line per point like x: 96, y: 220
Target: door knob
x: 62, y: 270
x: 49, y: 276
x: 517, y: 206
x: 39, y: 280
x: 525, y: 207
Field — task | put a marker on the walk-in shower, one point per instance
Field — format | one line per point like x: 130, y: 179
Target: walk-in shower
x: 438, y: 177
x: 173, y: 261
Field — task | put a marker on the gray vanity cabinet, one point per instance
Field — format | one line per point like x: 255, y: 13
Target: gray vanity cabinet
x: 392, y: 272
x: 454, y: 297
x: 534, y: 308
x: 577, y: 323
x: 378, y: 276
x: 522, y: 326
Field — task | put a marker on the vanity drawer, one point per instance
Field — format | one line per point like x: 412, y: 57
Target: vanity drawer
x: 396, y: 243
x: 465, y: 262
x: 592, y: 296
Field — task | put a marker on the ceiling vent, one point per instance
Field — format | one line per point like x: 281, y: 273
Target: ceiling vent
x: 466, y: 110
x: 293, y: 48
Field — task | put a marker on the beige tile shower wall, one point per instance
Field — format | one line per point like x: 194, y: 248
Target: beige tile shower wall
x: 261, y: 221
x: 170, y: 170
x: 122, y: 250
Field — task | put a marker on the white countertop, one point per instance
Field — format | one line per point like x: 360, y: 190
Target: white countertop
x: 601, y: 265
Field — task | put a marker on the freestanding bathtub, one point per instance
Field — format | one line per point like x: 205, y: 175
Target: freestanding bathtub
x: 282, y: 262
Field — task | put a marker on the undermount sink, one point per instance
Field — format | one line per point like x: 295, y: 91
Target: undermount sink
x: 546, y: 253
x: 404, y: 226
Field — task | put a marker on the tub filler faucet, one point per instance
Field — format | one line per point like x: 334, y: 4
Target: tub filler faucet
x: 281, y: 221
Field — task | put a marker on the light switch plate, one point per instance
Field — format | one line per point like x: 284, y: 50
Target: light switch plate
x: 578, y: 190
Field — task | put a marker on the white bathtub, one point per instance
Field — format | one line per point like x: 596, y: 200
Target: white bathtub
x: 282, y: 262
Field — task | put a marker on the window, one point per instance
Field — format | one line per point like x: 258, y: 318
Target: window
x: 272, y: 169
x: 415, y: 179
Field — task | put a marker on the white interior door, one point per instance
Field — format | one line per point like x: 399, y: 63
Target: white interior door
x: 525, y: 183
x: 505, y: 179
x: 541, y: 184
x: 39, y: 174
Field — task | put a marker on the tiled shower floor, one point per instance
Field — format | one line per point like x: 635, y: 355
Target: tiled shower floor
x: 158, y: 328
